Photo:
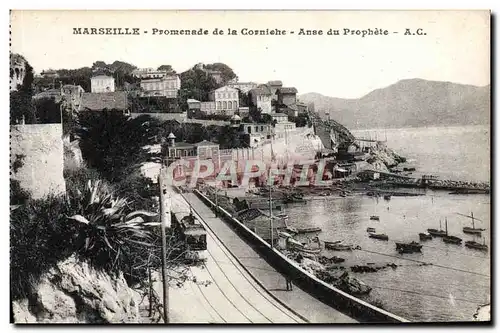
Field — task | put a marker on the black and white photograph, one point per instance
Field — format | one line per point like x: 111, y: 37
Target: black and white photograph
x: 250, y: 167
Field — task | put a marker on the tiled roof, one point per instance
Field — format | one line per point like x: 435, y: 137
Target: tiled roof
x: 183, y: 145
x: 261, y: 90
x: 288, y: 90
x: 48, y: 93
x: 242, y: 83
x: 205, y: 143
x: 279, y: 115
x: 276, y: 83
x: 109, y: 100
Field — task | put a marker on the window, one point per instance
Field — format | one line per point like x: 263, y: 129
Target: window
x: 230, y: 105
x: 218, y: 105
x: 224, y: 105
x: 262, y: 128
x: 249, y: 129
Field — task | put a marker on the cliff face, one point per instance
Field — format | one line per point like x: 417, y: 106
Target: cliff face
x: 37, y: 158
x: 74, y: 292
x: 386, y: 156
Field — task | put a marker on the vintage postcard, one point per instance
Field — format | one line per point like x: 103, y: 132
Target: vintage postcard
x: 224, y: 167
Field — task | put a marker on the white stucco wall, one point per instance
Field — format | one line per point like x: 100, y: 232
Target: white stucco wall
x: 41, y: 145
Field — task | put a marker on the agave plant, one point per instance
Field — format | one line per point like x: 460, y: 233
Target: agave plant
x: 109, y: 226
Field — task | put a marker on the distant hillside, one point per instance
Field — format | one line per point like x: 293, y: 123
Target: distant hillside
x: 409, y: 103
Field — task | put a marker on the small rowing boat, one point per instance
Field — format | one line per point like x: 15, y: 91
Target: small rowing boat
x: 424, y: 236
x: 476, y: 245
x: 408, y: 247
x: 379, y: 236
x: 308, y: 230
x: 338, y: 247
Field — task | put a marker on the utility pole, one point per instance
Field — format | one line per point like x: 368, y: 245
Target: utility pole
x: 165, y: 223
x: 216, y: 201
x: 271, y: 216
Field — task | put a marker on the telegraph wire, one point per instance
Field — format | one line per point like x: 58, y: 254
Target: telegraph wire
x: 430, y: 295
x: 427, y: 263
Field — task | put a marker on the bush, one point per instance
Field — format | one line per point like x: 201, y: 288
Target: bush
x: 77, y: 179
x: 108, y: 227
x: 39, y: 238
x: 18, y: 195
x: 139, y: 190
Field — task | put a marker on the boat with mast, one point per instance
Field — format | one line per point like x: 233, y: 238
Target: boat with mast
x: 437, y: 233
x: 473, y: 230
x: 451, y: 239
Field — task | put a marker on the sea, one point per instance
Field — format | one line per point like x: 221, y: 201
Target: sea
x: 444, y: 282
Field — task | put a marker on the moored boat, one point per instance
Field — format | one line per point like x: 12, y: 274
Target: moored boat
x: 295, y: 245
x: 451, y: 239
x: 338, y: 247
x: 436, y: 232
x: 308, y: 230
x: 408, y: 247
x: 370, y: 229
x: 473, y: 230
x: 379, y: 236
x: 424, y: 236
x: 292, y: 198
x: 375, y: 218
x: 476, y: 245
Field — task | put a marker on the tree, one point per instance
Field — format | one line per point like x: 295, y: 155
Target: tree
x: 80, y: 77
x: 123, y: 67
x: 301, y: 120
x: 244, y: 99
x: 21, y: 107
x: 226, y: 71
x: 113, y: 144
x: 47, y: 111
x: 196, y: 84
x: 167, y: 68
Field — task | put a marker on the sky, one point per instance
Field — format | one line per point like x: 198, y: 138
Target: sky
x: 456, y: 46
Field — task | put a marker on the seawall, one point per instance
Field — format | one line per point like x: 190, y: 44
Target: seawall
x: 348, y: 304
